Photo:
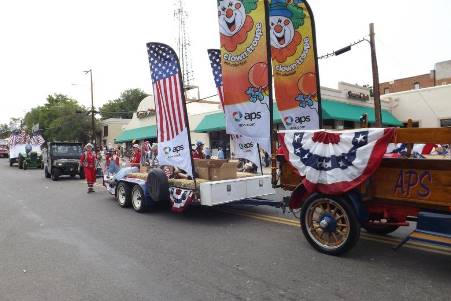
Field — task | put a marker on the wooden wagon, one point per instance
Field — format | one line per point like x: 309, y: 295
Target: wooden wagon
x: 400, y: 190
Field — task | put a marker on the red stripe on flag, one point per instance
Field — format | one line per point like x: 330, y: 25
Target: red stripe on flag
x: 158, y: 110
x: 173, y: 112
x: 179, y: 103
x: 167, y: 103
x: 176, y: 106
x: 164, y: 114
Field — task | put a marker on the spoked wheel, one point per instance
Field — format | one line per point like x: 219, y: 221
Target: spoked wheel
x: 138, y: 199
x: 329, y: 224
x: 123, y: 195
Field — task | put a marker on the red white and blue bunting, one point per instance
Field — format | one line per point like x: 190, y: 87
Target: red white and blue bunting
x: 334, y: 162
x: 180, y: 198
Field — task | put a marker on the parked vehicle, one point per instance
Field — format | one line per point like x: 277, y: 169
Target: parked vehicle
x: 31, y: 158
x: 4, y: 151
x: 62, y: 158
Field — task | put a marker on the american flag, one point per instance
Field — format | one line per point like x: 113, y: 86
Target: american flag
x: 37, y: 140
x: 23, y: 138
x: 13, y: 139
x: 167, y: 85
x: 215, y: 61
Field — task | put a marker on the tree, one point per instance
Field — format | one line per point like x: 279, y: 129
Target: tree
x: 59, y: 120
x: 7, y: 128
x: 4, y: 131
x: 124, y: 106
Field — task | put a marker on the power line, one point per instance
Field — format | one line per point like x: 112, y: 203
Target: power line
x: 342, y: 50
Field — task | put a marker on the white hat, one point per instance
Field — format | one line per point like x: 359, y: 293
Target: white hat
x: 136, y: 145
x: 89, y: 145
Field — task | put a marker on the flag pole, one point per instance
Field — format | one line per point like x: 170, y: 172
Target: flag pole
x: 271, y: 102
x: 193, y: 172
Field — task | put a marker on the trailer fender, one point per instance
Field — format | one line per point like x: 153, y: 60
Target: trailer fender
x: 300, y: 194
x: 355, y: 197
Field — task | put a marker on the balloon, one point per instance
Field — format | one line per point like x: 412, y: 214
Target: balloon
x: 307, y: 84
x: 258, y: 75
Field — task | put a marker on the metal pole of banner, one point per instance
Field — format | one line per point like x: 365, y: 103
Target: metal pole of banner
x: 186, y: 121
x: 315, y: 50
x: 271, y: 103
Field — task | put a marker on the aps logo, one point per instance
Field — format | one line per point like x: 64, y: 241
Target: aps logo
x: 289, y: 120
x: 176, y: 149
x: 238, y: 116
x: 246, y: 146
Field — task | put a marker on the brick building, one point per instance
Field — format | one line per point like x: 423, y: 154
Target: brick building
x: 441, y: 75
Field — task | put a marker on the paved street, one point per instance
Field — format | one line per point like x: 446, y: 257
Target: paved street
x: 59, y: 243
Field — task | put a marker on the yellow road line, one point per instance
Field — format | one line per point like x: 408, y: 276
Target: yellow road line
x: 384, y: 239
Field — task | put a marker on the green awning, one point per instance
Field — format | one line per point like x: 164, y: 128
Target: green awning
x: 331, y: 110
x: 142, y: 133
x: 344, y: 111
x: 211, y: 123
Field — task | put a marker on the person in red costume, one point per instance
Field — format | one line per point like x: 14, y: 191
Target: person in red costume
x: 88, y: 161
x: 136, y: 159
x: 198, y: 153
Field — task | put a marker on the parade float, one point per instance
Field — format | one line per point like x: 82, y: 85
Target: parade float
x: 339, y: 181
x: 24, y: 148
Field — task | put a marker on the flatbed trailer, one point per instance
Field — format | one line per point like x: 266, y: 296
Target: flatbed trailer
x: 400, y: 190
x: 144, y: 191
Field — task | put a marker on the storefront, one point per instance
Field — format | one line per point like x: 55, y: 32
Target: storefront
x: 428, y: 108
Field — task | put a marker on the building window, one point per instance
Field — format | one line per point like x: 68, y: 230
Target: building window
x: 386, y: 90
x: 105, y: 131
x: 328, y: 124
x: 349, y: 125
x: 416, y: 86
x: 445, y: 123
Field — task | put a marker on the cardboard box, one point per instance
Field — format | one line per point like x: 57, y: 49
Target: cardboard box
x: 215, y: 170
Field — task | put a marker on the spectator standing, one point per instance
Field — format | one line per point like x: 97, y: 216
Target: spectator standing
x: 221, y: 154
x: 198, y: 153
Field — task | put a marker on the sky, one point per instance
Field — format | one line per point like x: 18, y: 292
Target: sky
x: 45, y: 45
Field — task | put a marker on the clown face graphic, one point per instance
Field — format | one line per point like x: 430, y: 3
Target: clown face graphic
x: 282, y: 31
x: 232, y: 15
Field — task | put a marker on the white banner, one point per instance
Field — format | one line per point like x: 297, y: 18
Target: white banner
x: 176, y: 152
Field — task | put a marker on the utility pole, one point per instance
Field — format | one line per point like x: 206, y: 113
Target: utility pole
x: 376, y: 91
x: 93, y: 125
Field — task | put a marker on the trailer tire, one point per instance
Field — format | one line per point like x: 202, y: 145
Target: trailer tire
x: 158, y: 186
x: 332, y: 217
x: 139, y: 201
x: 123, y: 195
x: 379, y: 229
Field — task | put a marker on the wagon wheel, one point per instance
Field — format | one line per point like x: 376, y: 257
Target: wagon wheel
x: 329, y: 224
